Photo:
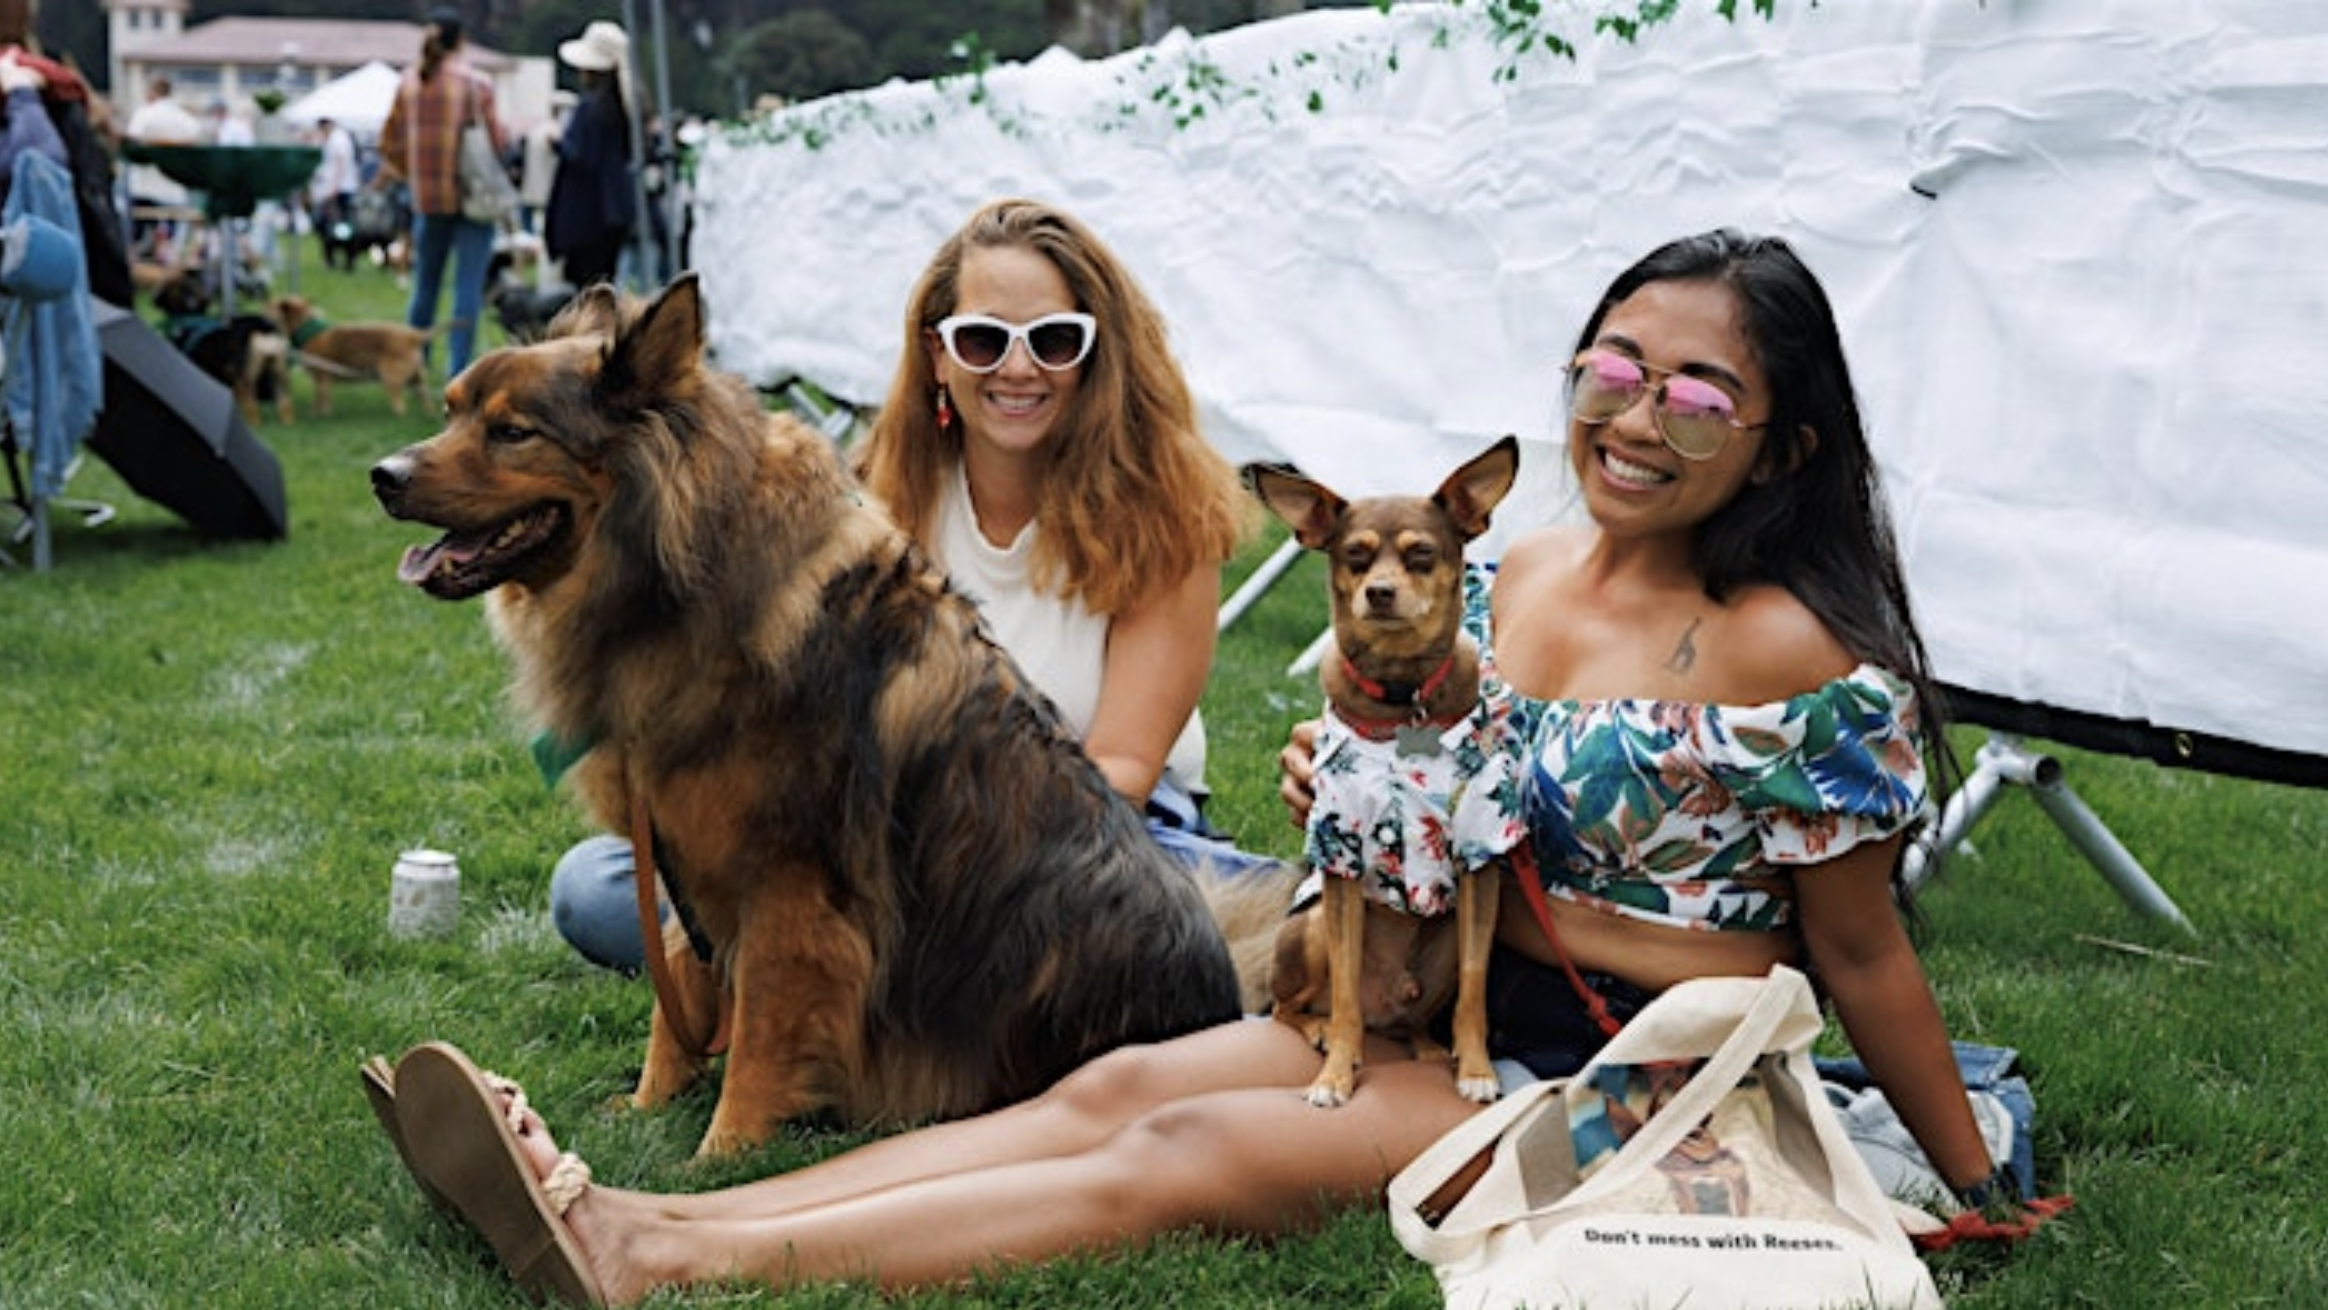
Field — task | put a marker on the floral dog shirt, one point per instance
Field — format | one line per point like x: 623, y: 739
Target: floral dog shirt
x: 1407, y: 820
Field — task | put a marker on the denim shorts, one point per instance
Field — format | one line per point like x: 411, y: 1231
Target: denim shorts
x: 1536, y: 1020
x: 594, y: 892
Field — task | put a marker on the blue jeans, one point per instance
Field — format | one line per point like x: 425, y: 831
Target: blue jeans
x: 470, y: 244
x: 1986, y: 1069
x: 594, y: 899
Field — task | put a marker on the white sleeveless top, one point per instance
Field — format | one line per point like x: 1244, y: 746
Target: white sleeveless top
x: 1060, y: 643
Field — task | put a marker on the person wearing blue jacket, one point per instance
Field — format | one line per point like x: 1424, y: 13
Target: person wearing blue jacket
x: 594, y: 192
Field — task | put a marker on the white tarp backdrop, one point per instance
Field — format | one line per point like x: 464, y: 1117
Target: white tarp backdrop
x: 2076, y: 246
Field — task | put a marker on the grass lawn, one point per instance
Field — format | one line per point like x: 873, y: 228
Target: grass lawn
x: 214, y: 753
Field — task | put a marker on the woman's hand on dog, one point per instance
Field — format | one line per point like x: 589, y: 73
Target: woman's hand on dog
x: 1294, y: 765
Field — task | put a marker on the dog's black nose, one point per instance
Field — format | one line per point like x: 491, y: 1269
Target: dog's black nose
x: 390, y: 477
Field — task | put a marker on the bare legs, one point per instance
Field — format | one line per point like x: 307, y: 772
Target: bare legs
x: 1210, y: 1130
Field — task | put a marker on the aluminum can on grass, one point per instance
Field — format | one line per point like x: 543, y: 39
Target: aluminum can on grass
x: 424, y: 896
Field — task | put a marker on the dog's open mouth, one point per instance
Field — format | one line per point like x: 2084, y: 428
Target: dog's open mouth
x: 459, y: 565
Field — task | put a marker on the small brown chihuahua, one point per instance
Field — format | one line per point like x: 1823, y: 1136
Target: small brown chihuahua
x: 1402, y: 690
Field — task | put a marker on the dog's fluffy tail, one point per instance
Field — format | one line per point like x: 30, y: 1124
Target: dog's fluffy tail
x: 1250, y: 907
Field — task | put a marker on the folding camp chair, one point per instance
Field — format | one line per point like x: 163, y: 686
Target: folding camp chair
x: 29, y: 508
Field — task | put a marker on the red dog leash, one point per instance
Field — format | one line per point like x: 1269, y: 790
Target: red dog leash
x: 1596, y: 1007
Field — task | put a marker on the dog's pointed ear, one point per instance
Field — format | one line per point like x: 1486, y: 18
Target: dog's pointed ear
x: 1471, y: 493
x: 592, y: 311
x: 1309, y: 508
x: 662, y: 342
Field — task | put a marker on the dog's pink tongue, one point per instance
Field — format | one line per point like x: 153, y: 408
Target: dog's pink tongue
x: 420, y: 562
x: 417, y: 561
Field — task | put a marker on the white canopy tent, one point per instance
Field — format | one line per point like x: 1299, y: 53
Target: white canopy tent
x: 358, y: 101
x: 2073, y: 244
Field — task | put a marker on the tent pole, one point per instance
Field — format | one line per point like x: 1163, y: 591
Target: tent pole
x: 1311, y: 655
x: 2002, y: 760
x: 1262, y: 579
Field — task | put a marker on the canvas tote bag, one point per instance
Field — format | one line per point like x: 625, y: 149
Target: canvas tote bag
x: 1765, y: 1206
x: 487, y: 194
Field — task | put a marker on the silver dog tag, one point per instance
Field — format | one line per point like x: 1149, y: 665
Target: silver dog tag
x: 1418, y: 739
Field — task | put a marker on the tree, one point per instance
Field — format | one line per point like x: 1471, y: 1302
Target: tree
x: 538, y: 26
x: 915, y: 39
x: 801, y: 56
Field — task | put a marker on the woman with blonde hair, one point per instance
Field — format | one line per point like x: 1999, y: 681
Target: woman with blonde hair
x: 1039, y: 440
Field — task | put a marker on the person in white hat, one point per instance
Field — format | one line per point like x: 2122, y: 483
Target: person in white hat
x: 593, y: 201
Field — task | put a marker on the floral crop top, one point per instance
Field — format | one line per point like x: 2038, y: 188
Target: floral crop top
x: 1692, y: 815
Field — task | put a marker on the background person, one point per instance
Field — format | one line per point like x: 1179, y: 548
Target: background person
x: 228, y: 128
x: 334, y: 185
x: 1059, y: 477
x: 420, y: 147
x: 594, y: 197
x: 161, y: 120
x: 1736, y: 567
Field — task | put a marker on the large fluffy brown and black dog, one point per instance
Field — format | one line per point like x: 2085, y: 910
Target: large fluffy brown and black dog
x: 921, y: 897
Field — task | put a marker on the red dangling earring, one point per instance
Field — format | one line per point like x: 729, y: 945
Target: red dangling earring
x: 945, y: 409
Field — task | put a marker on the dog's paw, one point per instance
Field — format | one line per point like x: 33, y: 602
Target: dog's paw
x: 663, y: 1081
x: 722, y: 1143
x: 1333, y: 1088
x: 1326, y: 1097
x: 1482, y: 1091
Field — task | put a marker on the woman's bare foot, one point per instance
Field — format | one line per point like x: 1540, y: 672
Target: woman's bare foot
x: 533, y: 1133
x: 566, y: 1182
